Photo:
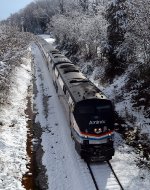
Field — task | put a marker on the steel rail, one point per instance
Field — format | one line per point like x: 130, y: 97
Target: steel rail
x: 92, y: 175
x: 115, y: 175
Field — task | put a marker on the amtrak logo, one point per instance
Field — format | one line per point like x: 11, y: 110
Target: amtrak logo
x: 97, y: 122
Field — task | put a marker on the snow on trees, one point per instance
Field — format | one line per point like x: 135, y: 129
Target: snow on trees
x: 84, y: 32
x: 11, y: 41
x: 138, y: 28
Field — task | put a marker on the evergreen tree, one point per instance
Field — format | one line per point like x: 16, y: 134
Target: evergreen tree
x: 116, y: 30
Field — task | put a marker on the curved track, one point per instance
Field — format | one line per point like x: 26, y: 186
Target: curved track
x: 104, y: 176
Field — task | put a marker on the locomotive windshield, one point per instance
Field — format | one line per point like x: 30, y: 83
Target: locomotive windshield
x: 94, y: 114
x: 98, y: 109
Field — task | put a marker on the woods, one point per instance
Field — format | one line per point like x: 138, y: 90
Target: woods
x: 118, y: 28
x: 112, y: 33
x: 11, y: 41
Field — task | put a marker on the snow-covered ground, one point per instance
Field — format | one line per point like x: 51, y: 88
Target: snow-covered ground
x: 65, y: 169
x: 13, y: 131
x: 124, y: 106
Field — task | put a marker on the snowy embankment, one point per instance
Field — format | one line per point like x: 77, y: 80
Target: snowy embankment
x: 13, y: 129
x: 124, y: 105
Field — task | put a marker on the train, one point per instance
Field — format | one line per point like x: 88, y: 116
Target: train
x: 89, y: 112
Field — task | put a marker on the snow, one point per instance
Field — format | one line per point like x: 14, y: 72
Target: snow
x: 64, y: 167
x: 124, y: 106
x: 113, y: 2
x: 13, y: 132
x: 3, y: 68
x: 125, y: 163
x: 48, y: 39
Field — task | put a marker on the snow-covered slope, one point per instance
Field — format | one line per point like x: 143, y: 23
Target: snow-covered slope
x: 13, y: 130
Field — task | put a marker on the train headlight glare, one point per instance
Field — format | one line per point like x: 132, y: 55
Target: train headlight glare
x: 97, y: 130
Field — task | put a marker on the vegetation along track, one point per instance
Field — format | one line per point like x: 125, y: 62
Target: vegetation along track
x: 104, y: 175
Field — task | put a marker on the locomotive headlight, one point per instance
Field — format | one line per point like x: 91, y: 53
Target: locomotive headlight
x: 97, y: 130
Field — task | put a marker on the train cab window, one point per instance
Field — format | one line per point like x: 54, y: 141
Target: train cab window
x: 85, y: 110
x: 94, y: 110
x: 103, y: 108
x: 104, y: 111
x: 70, y: 70
x: 65, y: 66
x: 79, y: 80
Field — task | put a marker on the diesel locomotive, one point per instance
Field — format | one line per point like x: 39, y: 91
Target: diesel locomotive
x: 89, y: 113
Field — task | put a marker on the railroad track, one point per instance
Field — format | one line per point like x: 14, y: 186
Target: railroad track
x: 104, y: 176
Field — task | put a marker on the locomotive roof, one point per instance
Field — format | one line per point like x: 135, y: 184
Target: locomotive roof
x: 78, y: 85
x: 61, y: 59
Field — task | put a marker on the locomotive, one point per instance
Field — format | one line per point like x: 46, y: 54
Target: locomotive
x: 89, y: 113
